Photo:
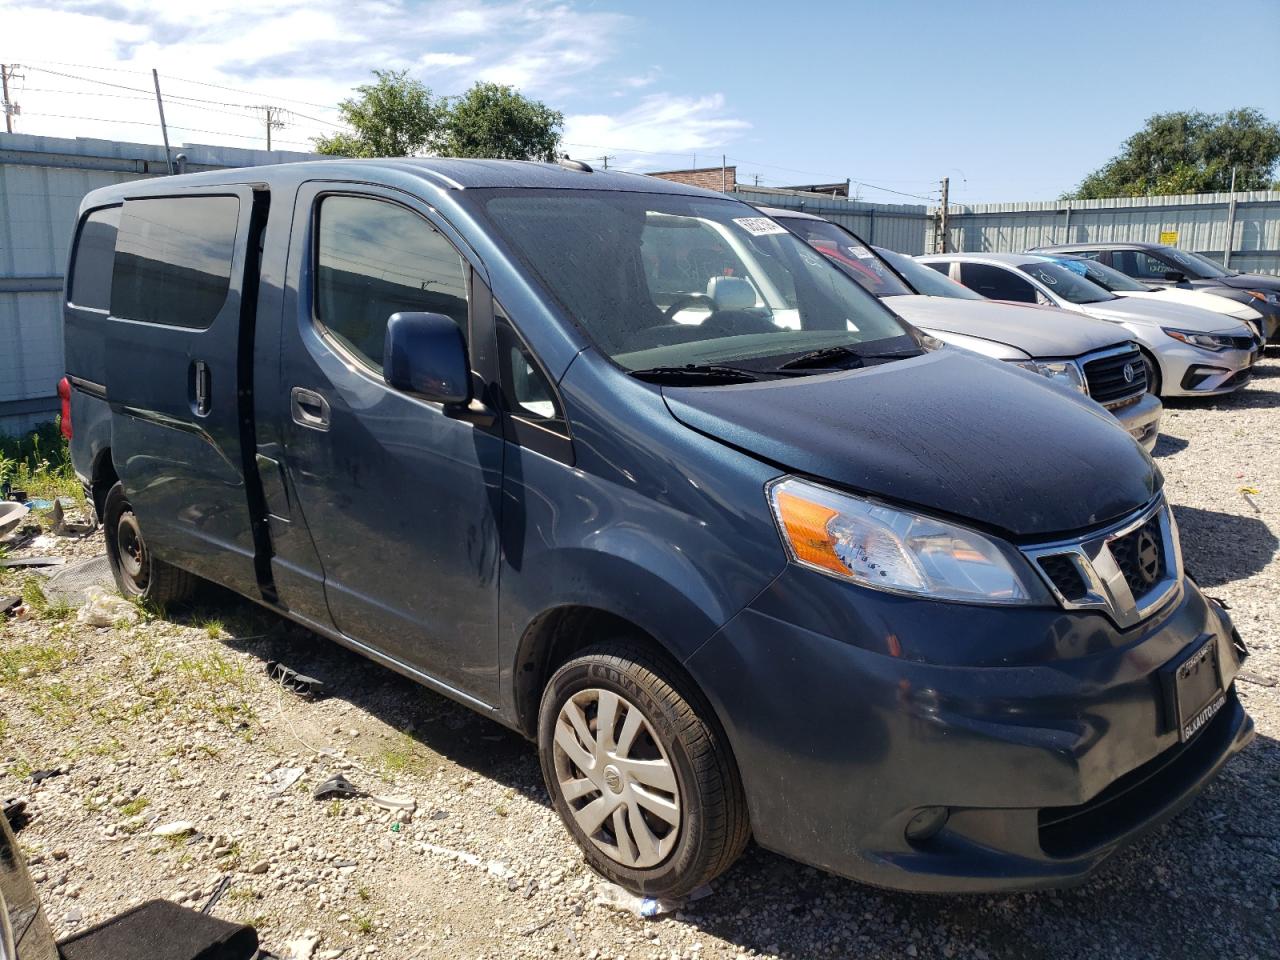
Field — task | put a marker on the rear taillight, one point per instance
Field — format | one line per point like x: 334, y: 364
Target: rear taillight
x: 64, y: 394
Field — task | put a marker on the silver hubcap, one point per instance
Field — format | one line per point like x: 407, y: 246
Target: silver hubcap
x: 616, y: 778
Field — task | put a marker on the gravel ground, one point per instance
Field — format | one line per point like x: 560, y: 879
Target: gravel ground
x: 175, y: 719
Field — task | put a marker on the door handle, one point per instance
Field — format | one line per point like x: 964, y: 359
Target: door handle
x: 201, y: 388
x: 310, y: 409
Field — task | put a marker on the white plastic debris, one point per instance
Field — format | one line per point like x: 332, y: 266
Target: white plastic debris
x: 179, y: 828
x: 615, y: 898
x: 106, y: 609
x: 282, y: 778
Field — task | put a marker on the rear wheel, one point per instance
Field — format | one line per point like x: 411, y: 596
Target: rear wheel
x: 639, y: 772
x: 139, y: 574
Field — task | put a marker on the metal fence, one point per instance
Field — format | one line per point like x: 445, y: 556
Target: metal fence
x: 42, y: 181
x: 906, y: 228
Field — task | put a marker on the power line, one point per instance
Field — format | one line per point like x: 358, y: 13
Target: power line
x: 145, y: 123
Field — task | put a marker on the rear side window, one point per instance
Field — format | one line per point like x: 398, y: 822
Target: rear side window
x: 173, y: 259
x: 996, y: 283
x: 375, y: 258
x: 92, y: 264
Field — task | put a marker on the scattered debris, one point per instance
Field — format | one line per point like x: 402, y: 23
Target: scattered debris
x: 11, y: 515
x: 15, y: 811
x: 218, y: 891
x: 282, y: 778
x: 290, y: 679
x: 303, y: 947
x: 337, y: 786
x: 33, y: 562
x: 106, y: 609
x: 66, y: 527
x: 613, y: 896
x: 9, y: 603
x: 542, y: 926
x: 395, y: 804
x: 40, y: 775
x: 1248, y: 676
x: 179, y: 828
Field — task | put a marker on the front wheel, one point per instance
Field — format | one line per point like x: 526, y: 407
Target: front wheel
x: 639, y: 772
x: 137, y: 572
x: 1153, y: 373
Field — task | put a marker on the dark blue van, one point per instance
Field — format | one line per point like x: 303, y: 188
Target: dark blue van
x: 628, y: 467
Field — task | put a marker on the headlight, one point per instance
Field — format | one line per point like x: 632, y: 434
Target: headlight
x: 1064, y: 372
x: 888, y: 549
x: 1205, y: 341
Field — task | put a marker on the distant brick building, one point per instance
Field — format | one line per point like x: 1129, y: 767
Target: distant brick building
x: 709, y: 178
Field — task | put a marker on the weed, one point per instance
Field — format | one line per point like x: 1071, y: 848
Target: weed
x: 334, y: 808
x: 26, y: 660
x: 501, y: 810
x: 241, y: 895
x: 134, y: 806
x: 40, y: 463
x: 364, y: 924
x: 21, y: 769
x: 363, y: 893
x: 406, y: 755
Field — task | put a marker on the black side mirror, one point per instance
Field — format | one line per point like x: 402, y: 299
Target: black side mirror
x: 1174, y: 276
x: 426, y: 355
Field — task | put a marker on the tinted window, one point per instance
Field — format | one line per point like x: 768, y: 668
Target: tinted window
x: 849, y: 254
x: 996, y: 283
x: 94, y: 259
x: 173, y: 259
x: 1104, y: 276
x: 1141, y: 265
x: 1067, y: 284
x: 375, y: 258
x: 930, y: 283
x: 529, y: 391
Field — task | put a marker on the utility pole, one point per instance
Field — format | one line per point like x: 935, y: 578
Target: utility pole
x: 941, y: 236
x: 11, y: 110
x: 164, y: 129
x: 274, y: 119
x: 723, y: 182
x: 1231, y: 222
x: 604, y: 161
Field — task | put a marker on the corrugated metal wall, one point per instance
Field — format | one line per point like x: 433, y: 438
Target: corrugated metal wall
x: 42, y: 181
x: 1200, y: 220
x: 902, y: 227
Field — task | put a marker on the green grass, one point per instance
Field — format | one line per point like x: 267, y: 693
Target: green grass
x: 406, y: 755
x: 134, y: 806
x: 364, y: 924
x: 33, y: 596
x: 26, y: 660
x: 40, y: 463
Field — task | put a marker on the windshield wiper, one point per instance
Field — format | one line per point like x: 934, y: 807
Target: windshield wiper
x: 826, y: 357
x: 706, y: 373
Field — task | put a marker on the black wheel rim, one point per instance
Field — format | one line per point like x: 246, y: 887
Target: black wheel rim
x: 132, y: 551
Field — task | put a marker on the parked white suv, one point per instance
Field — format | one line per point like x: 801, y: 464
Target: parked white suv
x: 1189, y: 352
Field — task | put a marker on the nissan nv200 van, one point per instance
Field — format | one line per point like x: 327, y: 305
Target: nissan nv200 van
x: 531, y: 435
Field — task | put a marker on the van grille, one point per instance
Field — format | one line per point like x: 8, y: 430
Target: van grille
x: 1105, y: 376
x: 1140, y: 557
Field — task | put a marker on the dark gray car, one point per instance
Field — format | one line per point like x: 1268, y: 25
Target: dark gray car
x: 1159, y: 265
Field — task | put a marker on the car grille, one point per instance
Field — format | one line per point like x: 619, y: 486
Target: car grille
x: 1140, y: 556
x: 1106, y: 379
x: 1065, y: 575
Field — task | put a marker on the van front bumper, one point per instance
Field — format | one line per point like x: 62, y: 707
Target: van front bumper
x: 1046, y: 759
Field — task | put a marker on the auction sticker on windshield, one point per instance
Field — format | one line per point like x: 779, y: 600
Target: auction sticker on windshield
x: 759, y: 226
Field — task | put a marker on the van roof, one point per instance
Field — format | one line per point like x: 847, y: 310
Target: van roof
x: 442, y: 172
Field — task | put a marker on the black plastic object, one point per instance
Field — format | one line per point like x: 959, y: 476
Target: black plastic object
x: 337, y: 786
x: 160, y: 930
x: 290, y: 679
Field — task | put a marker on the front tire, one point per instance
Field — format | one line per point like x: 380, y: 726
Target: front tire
x: 138, y: 574
x: 639, y: 772
x: 1154, y: 384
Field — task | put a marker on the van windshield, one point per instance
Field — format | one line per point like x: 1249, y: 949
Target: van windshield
x: 667, y: 280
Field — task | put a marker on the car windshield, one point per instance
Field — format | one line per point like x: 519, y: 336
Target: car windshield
x: 926, y: 280
x: 1102, y: 275
x: 1067, y: 284
x: 849, y: 254
x: 670, y: 280
x: 1196, y: 265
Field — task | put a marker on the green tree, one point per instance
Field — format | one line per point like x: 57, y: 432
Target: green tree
x: 394, y: 117
x: 1190, y: 152
x: 496, y: 121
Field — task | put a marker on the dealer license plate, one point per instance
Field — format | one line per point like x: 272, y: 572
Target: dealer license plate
x: 1197, y: 689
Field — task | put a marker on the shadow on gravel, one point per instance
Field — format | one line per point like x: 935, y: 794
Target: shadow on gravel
x: 1166, y: 445
x: 1222, y: 547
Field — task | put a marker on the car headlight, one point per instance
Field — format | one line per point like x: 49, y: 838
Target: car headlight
x: 1064, y: 372
x: 1205, y: 341
x: 889, y: 549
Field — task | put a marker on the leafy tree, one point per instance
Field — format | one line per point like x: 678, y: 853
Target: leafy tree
x: 492, y: 120
x: 1190, y: 152
x: 399, y: 117
x: 394, y: 117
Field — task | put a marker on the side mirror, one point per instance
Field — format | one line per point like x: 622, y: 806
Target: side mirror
x: 425, y: 354
x: 1175, y: 276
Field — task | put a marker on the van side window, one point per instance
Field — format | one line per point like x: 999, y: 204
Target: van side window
x: 375, y: 258
x: 996, y: 283
x: 173, y: 259
x: 94, y: 258
x: 528, y: 390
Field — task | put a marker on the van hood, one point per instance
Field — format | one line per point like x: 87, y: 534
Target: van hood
x: 949, y: 431
x: 1161, y: 313
x: 1036, y: 331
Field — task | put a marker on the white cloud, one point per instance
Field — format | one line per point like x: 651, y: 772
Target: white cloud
x: 316, y: 51
x: 661, y: 131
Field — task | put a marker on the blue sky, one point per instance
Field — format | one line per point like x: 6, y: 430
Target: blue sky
x: 1012, y: 101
